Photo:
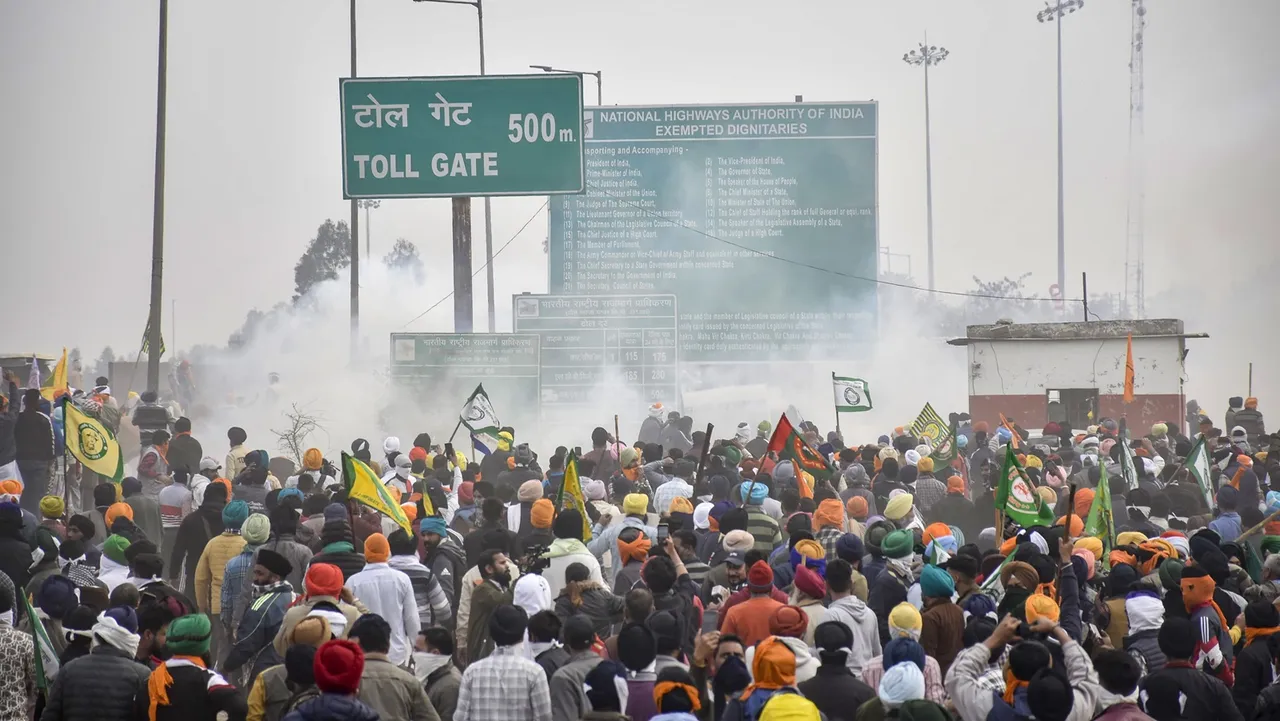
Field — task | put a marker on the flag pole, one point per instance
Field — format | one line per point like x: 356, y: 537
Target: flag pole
x: 455, y: 431
x: 617, y: 437
x: 837, y: 407
x: 706, y: 451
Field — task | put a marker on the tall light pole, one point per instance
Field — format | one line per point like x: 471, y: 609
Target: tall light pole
x: 354, y: 229
x: 598, y: 76
x: 1051, y: 13
x: 368, y: 205
x: 157, y: 207
x: 925, y: 56
x: 462, y: 206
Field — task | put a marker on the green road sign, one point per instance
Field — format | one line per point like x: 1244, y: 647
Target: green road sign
x: 725, y: 205
x: 624, y: 342
x: 461, y: 136
x: 447, y: 366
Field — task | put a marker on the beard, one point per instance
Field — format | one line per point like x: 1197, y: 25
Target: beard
x: 502, y: 579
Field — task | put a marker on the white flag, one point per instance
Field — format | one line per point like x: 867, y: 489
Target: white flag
x: 852, y: 395
x: 1197, y: 464
x: 1127, y: 468
x: 478, y: 414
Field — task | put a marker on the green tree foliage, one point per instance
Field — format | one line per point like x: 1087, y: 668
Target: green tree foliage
x: 328, y: 253
x: 404, y: 256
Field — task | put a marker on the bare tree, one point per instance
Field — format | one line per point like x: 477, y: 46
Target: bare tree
x: 293, y: 439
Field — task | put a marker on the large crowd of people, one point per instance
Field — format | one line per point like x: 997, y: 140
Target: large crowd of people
x: 674, y: 578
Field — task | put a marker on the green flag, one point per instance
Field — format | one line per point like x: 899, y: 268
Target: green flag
x: 1100, y: 522
x: 1197, y: 465
x: 1017, y: 499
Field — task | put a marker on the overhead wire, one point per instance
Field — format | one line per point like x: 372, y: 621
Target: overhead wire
x: 496, y: 253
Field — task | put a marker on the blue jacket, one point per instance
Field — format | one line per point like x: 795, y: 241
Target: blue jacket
x: 1227, y: 526
x: 332, y: 707
x: 258, y: 627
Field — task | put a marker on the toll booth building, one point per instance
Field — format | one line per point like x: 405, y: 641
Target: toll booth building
x: 1074, y: 372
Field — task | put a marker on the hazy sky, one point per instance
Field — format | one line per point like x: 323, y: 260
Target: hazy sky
x: 254, y: 163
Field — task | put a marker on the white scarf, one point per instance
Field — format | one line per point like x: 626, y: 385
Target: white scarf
x: 106, y: 629
x: 425, y: 664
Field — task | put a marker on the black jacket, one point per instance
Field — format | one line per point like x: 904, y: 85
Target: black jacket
x: 551, y: 660
x: 516, y: 476
x: 1253, y: 674
x: 15, y: 551
x: 886, y: 592
x: 836, y: 692
x: 196, y: 695
x: 1206, y: 696
x: 602, y: 608
x: 105, y: 685
x: 474, y: 544
x: 350, y: 562
x: 956, y: 510
x: 193, y: 534
x: 494, y: 465
x: 8, y: 447
x: 1268, y: 706
x: 33, y: 436
x: 1145, y: 645
x: 449, y: 564
x: 332, y: 707
x: 184, y: 452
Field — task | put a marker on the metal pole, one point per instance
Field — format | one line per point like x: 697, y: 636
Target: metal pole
x: 1084, y: 293
x: 462, y: 299
x: 157, y: 211
x: 599, y: 88
x: 488, y: 213
x: 928, y: 163
x: 355, y: 228
x: 1062, y: 236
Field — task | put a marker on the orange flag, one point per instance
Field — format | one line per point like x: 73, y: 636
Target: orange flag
x: 1128, y: 372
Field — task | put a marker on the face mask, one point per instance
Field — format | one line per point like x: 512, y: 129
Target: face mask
x: 732, y: 676
x: 424, y: 664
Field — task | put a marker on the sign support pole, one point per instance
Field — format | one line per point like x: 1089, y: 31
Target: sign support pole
x: 462, y: 301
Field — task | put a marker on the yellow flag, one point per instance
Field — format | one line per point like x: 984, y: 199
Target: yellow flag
x: 364, y: 486
x: 571, y: 494
x: 93, y: 444
x: 56, y: 384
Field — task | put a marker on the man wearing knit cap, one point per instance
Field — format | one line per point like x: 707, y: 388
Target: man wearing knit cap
x: 388, y: 593
x: 749, y: 620
x: 270, y: 596
x: 321, y: 598
x: 212, y: 565
x: 890, y: 587
x: 604, y: 534
x: 338, y: 666
x: 184, y: 687
x: 505, y: 685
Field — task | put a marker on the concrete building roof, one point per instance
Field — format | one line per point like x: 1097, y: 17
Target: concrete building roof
x: 1095, y: 330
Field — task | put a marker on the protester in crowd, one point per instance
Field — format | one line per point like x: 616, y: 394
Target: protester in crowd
x: 504, y: 685
x: 107, y: 684
x: 385, y: 686
x: 338, y: 669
